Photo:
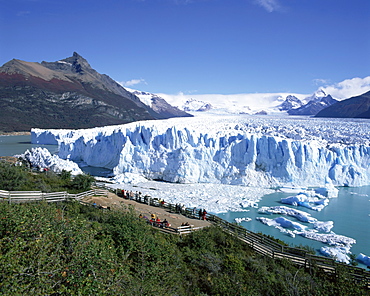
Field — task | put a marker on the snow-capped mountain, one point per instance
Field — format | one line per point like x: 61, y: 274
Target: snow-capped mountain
x: 315, y: 103
x: 257, y: 104
x: 196, y: 106
x: 190, y: 105
x: 158, y: 104
x: 291, y: 102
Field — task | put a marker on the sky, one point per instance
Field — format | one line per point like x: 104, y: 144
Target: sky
x: 198, y: 46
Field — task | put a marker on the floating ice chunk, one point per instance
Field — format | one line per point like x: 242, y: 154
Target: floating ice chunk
x: 364, y: 259
x: 245, y: 219
x: 283, y: 210
x: 323, y: 226
x: 340, y: 254
x: 305, y: 200
x: 283, y: 222
x: 328, y: 191
x: 41, y: 158
x: 286, y: 223
x: 274, y: 223
x: 329, y: 238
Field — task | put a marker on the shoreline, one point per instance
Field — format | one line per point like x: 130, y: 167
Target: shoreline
x: 15, y: 133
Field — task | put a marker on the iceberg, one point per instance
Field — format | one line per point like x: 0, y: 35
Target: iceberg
x: 323, y: 226
x: 248, y: 150
x: 244, y: 219
x: 283, y: 222
x: 281, y: 225
x: 329, y: 238
x: 340, y: 254
x: 328, y: 191
x: 363, y: 259
x: 316, y: 203
x: 293, y: 228
x: 283, y: 210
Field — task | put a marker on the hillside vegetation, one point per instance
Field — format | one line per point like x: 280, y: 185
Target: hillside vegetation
x: 14, y: 178
x: 71, y: 249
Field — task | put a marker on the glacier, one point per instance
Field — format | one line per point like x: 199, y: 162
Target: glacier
x: 249, y: 151
x: 41, y: 158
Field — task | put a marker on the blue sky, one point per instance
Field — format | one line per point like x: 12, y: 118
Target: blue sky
x: 197, y: 46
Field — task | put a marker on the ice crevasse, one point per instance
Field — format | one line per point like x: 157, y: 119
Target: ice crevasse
x: 177, y: 153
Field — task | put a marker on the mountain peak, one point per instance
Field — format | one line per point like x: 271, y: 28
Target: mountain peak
x: 75, y: 64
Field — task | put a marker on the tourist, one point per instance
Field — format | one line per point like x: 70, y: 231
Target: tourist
x: 165, y: 223
x: 204, y: 214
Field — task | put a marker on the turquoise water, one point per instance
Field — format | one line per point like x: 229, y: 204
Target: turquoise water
x: 350, y: 211
x: 12, y: 145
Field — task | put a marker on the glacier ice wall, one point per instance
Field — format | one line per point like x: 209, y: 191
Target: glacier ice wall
x: 217, y: 151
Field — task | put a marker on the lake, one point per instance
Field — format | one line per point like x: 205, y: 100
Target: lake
x: 350, y: 211
x: 11, y: 145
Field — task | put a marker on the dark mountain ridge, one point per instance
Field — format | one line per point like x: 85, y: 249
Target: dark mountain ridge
x: 355, y: 107
x: 68, y: 94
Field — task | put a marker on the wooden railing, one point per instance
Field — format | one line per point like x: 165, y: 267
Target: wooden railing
x: 258, y: 242
x: 266, y: 246
x: 30, y: 196
x: 301, y: 257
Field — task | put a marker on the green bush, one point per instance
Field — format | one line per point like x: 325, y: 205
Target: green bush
x: 82, y: 182
x: 18, y: 178
x: 12, y: 177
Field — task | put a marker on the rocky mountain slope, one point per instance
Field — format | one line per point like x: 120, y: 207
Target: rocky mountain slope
x: 355, y: 107
x: 68, y: 94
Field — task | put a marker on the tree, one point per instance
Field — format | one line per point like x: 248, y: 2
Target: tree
x: 11, y: 177
x: 82, y: 182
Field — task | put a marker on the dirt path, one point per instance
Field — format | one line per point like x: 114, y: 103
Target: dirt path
x: 117, y: 202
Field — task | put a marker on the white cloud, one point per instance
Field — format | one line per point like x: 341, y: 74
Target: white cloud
x: 269, y: 5
x: 319, y: 81
x: 348, y: 88
x: 132, y: 82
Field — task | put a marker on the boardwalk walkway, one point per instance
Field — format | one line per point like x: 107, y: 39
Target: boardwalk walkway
x: 175, y: 219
